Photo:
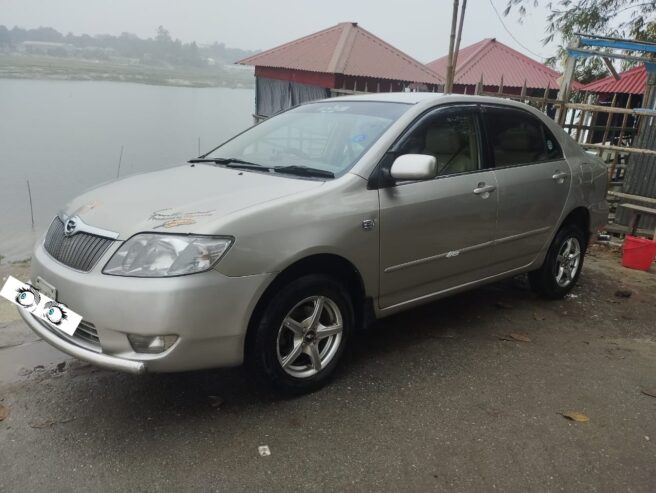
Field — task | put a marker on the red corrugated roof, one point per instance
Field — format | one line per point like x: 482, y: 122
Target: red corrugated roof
x: 491, y: 59
x: 631, y: 82
x: 346, y: 49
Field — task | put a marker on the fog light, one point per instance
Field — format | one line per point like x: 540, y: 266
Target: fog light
x: 151, y: 344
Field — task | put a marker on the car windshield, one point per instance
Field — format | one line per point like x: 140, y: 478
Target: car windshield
x: 328, y: 136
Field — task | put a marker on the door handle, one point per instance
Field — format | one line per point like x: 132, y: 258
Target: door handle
x: 560, y: 176
x: 484, y: 190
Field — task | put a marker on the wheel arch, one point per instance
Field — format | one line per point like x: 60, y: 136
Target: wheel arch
x: 579, y: 216
x: 328, y: 264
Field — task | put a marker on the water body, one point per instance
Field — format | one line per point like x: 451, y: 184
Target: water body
x: 66, y: 136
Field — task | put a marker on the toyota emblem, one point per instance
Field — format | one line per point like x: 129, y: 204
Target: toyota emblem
x: 71, y: 227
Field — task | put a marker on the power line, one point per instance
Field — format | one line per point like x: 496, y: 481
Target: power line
x: 512, y: 35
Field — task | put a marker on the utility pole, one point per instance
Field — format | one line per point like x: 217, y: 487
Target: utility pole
x: 456, y: 26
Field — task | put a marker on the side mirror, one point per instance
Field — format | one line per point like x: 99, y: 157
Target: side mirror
x: 414, y: 167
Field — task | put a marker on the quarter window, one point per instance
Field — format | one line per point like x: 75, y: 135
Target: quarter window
x: 450, y: 137
x: 518, y: 138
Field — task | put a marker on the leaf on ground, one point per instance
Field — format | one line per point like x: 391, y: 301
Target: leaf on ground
x: 649, y: 392
x: 538, y: 317
x: 575, y: 416
x: 4, y: 412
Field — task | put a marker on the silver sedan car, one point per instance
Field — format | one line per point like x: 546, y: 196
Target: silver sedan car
x: 275, y: 246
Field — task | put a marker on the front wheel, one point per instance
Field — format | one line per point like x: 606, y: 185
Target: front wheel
x: 562, y: 265
x: 301, y: 335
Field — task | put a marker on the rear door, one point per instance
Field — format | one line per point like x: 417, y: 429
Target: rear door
x: 533, y: 183
x: 437, y: 234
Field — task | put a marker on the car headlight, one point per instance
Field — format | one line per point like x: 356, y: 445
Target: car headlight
x: 165, y: 255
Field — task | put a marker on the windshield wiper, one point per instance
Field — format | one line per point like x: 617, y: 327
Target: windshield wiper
x: 304, y: 171
x: 229, y: 162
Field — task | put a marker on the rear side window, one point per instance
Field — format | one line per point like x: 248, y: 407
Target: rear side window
x: 518, y: 138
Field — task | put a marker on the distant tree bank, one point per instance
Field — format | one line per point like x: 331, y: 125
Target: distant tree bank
x: 45, y: 53
x: 159, y: 51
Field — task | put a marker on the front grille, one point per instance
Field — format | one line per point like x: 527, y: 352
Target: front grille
x: 80, y: 251
x: 85, y: 335
x: 87, y: 332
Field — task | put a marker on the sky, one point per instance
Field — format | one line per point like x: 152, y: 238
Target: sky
x: 418, y: 27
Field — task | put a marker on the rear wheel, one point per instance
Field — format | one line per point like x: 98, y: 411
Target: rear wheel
x: 562, y: 265
x: 301, y: 335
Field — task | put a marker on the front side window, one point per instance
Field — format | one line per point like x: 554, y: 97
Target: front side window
x: 518, y: 138
x: 451, y: 137
x: 330, y: 136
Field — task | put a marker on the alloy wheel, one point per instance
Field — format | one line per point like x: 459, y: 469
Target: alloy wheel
x: 309, y: 336
x: 568, y: 262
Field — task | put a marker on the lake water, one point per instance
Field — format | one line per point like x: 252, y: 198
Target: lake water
x: 65, y: 137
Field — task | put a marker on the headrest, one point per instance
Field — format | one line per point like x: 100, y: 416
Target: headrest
x: 519, y: 139
x: 442, y: 140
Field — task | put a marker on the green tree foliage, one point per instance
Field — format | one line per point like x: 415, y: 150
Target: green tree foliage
x: 162, y: 50
x: 633, y: 19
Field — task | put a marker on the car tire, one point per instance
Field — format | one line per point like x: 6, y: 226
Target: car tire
x: 562, y: 266
x: 293, y: 349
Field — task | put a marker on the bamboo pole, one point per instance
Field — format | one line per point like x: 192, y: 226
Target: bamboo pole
x: 637, y: 198
x: 578, y: 106
x: 120, y: 159
x: 609, y: 120
x: 29, y: 194
x: 617, y: 154
x: 621, y: 137
x: 621, y: 149
x: 479, y: 86
x: 452, y: 38
x: 580, y: 123
x: 545, y: 99
x: 458, y: 38
x: 570, y: 126
x: 566, y: 80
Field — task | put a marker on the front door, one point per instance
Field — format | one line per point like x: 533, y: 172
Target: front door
x: 437, y: 234
x: 533, y: 179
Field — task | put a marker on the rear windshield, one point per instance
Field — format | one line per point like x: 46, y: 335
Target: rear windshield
x: 330, y: 136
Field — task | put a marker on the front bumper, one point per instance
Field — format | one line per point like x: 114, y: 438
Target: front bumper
x: 61, y: 342
x: 209, y: 312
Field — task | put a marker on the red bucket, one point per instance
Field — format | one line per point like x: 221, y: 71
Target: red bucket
x: 638, y: 253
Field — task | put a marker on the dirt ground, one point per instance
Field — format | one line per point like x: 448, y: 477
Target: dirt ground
x: 465, y: 394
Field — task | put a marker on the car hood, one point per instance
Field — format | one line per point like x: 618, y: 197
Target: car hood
x: 185, y: 199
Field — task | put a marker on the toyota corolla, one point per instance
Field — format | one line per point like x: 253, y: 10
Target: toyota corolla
x: 275, y: 246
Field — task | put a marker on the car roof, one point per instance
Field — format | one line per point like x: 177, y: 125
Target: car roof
x: 393, y: 97
x: 430, y: 97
